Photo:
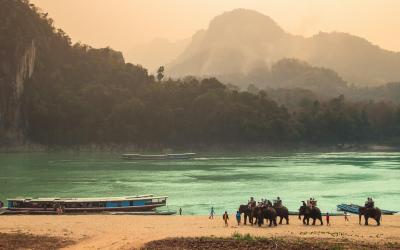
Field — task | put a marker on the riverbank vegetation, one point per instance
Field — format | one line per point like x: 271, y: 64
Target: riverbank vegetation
x: 247, y: 241
x: 79, y: 95
x: 30, y: 241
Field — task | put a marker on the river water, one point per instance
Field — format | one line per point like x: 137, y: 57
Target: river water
x: 221, y: 181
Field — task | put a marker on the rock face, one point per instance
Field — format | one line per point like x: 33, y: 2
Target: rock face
x: 14, y: 74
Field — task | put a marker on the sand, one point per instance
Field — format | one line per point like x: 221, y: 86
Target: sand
x: 128, y: 232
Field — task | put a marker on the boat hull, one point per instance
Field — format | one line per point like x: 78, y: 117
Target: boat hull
x: 80, y: 210
x: 134, y: 157
x: 85, y: 205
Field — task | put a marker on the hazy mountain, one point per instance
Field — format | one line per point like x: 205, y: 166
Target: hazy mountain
x: 292, y: 73
x: 156, y: 53
x: 240, y: 40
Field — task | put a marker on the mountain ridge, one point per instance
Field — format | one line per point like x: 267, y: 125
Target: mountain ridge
x: 239, y: 40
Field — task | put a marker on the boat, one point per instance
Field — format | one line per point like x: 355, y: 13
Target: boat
x: 330, y: 214
x: 144, y: 213
x: 352, y: 208
x: 139, y: 203
x: 183, y: 156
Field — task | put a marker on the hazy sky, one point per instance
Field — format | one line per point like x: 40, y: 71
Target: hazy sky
x: 121, y: 24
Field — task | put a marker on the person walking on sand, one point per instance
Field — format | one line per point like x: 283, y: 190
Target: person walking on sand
x: 212, y: 212
x: 238, y: 217
x: 225, y: 217
x: 327, y: 219
x: 345, y: 217
x: 180, y: 211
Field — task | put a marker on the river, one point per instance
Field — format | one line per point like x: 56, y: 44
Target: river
x: 223, y: 181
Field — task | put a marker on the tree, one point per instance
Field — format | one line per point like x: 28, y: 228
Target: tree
x: 160, y: 73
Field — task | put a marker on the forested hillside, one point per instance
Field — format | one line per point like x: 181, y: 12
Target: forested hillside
x: 78, y: 95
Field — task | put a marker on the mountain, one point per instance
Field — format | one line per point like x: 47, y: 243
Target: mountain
x: 238, y: 41
x: 156, y: 53
x: 290, y: 73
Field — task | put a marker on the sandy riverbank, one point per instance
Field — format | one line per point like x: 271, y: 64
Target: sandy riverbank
x: 127, y: 232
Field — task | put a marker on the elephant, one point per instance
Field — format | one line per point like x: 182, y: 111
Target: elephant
x: 260, y: 216
x: 310, y: 212
x: 373, y: 212
x: 254, y: 214
x: 282, y: 212
x: 244, y: 209
x: 270, y: 214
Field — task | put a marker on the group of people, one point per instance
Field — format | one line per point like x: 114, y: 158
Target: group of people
x: 59, y: 209
x: 278, y: 202
x: 225, y: 217
x: 264, y: 202
x: 369, y: 203
x: 310, y: 202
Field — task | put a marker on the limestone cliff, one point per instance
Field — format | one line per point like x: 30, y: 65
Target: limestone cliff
x: 19, y: 31
x: 14, y: 74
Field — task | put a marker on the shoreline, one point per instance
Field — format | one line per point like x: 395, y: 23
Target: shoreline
x: 128, y: 232
x: 202, y: 148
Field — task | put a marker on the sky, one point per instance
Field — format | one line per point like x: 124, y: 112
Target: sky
x: 123, y: 24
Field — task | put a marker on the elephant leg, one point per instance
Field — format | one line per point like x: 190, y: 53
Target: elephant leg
x: 366, y: 220
x: 275, y: 224
x: 304, y: 220
x: 320, y: 219
x: 270, y: 223
x: 313, y: 221
x: 378, y: 221
x: 308, y: 221
x: 280, y: 220
x: 245, y: 219
x: 287, y: 220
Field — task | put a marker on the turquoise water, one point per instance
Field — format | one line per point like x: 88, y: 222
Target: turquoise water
x: 222, y: 181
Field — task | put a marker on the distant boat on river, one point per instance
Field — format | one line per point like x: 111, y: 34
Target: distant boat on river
x: 182, y: 156
x: 139, y: 203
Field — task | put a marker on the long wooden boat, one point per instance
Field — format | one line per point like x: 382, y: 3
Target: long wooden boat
x: 352, y: 208
x: 183, y: 156
x: 330, y: 214
x: 144, y: 213
x: 85, y: 205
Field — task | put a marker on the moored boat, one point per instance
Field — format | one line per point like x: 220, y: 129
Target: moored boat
x: 183, y: 156
x: 85, y: 205
x: 352, y: 208
x: 144, y: 213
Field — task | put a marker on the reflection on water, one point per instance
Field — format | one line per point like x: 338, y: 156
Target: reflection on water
x: 220, y: 181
